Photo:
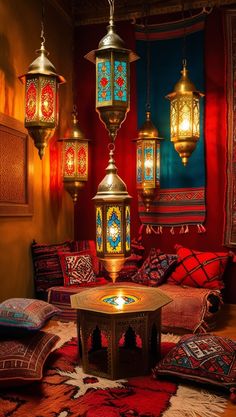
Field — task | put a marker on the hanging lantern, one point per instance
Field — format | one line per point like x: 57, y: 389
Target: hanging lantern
x: 112, y: 205
x: 75, y: 159
x: 148, y: 162
x: 185, y: 115
x: 41, y: 99
x: 112, y: 61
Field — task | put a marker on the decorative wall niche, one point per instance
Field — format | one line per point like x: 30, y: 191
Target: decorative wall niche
x: 16, y: 164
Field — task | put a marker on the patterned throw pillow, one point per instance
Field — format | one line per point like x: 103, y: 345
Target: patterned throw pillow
x: 47, y: 267
x: 89, y: 247
x: 199, y: 269
x: 155, y: 268
x: 204, y: 358
x: 22, y: 360
x: 77, y: 268
x: 26, y: 313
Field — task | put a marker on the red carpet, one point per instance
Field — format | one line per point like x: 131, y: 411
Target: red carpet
x: 65, y: 392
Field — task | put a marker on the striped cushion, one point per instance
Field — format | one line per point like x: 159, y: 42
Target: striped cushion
x: 199, y: 269
x: 47, y: 267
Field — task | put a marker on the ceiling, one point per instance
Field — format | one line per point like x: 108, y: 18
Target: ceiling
x: 83, y: 12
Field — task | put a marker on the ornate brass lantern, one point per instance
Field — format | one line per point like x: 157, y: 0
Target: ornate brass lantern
x: 185, y: 115
x: 41, y: 99
x: 75, y: 158
x: 112, y: 205
x: 148, y: 162
x: 112, y: 77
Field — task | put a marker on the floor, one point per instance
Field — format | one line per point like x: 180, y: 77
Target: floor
x: 226, y: 327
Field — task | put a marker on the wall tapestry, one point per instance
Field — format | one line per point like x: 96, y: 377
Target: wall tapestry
x: 230, y: 221
x: 181, y: 201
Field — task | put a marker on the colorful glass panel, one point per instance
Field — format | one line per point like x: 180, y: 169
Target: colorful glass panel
x: 139, y: 164
x: 31, y: 100
x: 113, y: 229
x: 158, y: 170
x: 82, y: 160
x: 148, y: 163
x: 99, y: 225
x: 103, y: 81
x: 120, y: 77
x: 127, y: 225
x: 69, y: 166
x: 114, y: 300
x: 48, y: 100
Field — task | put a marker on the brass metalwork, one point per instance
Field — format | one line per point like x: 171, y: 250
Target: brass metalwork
x: 142, y: 318
x: 148, y: 136
x: 185, y: 96
x: 39, y: 131
x: 112, y: 48
x: 112, y: 191
x: 74, y: 135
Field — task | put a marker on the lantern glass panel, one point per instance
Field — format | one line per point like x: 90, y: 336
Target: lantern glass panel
x: 31, y: 100
x: 82, y: 154
x: 104, y: 82
x: 196, y: 121
x: 174, y: 117
x: 139, y: 164
x: 48, y: 100
x: 113, y: 229
x: 158, y: 169
x: 149, y: 161
x: 120, y: 81
x: 69, y: 160
x: 99, y: 230
x: 185, y: 116
x: 127, y: 228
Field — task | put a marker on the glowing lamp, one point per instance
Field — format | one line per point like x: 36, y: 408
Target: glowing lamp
x: 112, y: 61
x: 41, y: 99
x: 75, y: 159
x: 148, y: 162
x: 112, y: 206
x: 185, y: 115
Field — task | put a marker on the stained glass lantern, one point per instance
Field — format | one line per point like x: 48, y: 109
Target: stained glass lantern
x: 185, y: 115
x: 75, y: 159
x: 112, y: 206
x: 112, y: 61
x: 41, y: 99
x: 148, y: 162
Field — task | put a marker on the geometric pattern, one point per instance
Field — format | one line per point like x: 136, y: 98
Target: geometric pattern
x: 204, y: 358
x: 199, y: 269
x: 78, y: 269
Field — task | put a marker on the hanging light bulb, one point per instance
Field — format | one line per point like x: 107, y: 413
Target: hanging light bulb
x: 41, y: 97
x: 112, y: 77
x: 75, y: 158
x: 112, y: 205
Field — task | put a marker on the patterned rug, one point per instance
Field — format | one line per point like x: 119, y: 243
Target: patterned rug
x: 65, y: 391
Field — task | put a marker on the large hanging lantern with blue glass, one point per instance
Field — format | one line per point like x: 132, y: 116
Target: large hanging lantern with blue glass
x: 112, y: 205
x: 112, y: 61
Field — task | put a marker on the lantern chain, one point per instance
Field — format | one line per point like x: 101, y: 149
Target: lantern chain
x: 184, y: 37
x: 112, y: 7
x: 42, y: 25
x: 148, y: 62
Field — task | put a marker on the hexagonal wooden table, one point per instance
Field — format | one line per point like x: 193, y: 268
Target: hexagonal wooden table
x: 117, y: 342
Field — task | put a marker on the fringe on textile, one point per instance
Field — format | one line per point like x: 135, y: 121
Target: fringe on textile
x: 158, y: 230
x: 192, y: 402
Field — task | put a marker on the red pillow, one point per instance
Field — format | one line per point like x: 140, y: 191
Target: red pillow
x: 77, y: 268
x: 199, y: 269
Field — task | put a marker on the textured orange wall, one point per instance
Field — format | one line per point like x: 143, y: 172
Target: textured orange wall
x: 52, y: 220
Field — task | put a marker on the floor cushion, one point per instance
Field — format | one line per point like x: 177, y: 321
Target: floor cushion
x: 201, y: 358
x: 22, y: 359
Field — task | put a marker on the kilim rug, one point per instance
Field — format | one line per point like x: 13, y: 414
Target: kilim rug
x: 65, y: 391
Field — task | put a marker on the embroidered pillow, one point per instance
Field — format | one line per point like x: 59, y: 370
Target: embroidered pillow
x: 77, y: 268
x: 204, y: 358
x: 155, y: 268
x: 26, y: 313
x: 22, y: 360
x: 199, y: 269
x: 47, y: 268
x: 87, y: 247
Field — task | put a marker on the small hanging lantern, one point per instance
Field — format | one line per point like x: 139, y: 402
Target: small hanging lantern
x: 75, y: 158
x: 41, y: 98
x: 185, y: 115
x: 148, y: 162
x: 112, y: 205
x: 112, y: 61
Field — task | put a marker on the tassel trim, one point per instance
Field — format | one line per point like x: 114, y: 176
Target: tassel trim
x: 185, y: 228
